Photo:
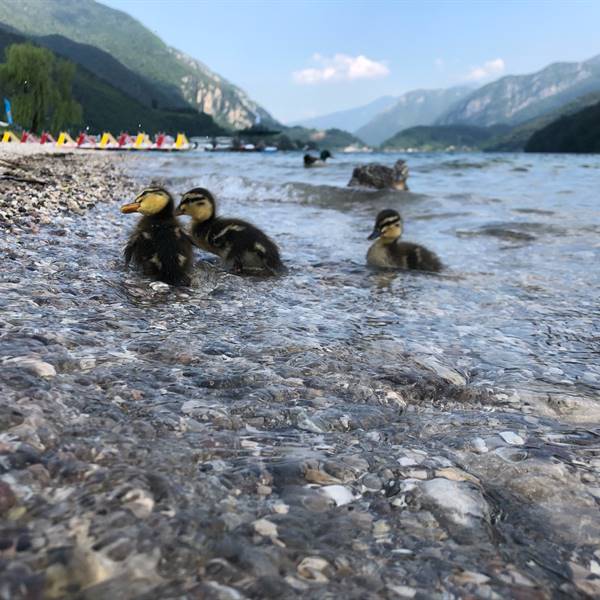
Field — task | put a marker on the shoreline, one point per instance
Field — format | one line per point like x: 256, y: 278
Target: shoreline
x: 38, y: 183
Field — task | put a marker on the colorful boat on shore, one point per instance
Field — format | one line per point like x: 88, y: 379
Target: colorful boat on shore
x: 141, y: 141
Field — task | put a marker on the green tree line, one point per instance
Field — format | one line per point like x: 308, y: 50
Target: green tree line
x: 39, y: 86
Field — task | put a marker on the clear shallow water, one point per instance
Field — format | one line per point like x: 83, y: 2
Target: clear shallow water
x: 518, y: 303
x: 424, y: 435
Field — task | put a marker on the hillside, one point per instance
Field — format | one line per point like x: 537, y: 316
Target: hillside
x: 128, y: 41
x: 107, y: 68
x: 351, y: 119
x: 518, y: 98
x: 332, y: 139
x: 515, y: 139
x: 440, y: 138
x: 107, y: 108
x: 579, y: 132
x: 418, y: 107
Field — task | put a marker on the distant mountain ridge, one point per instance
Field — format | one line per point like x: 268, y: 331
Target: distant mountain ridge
x: 350, y: 119
x: 435, y: 138
x: 515, y: 99
x: 182, y: 79
x: 418, y: 107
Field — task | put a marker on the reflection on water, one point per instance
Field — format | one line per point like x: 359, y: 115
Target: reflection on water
x: 456, y: 414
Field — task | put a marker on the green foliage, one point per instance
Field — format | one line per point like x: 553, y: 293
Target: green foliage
x: 579, y: 132
x: 39, y: 86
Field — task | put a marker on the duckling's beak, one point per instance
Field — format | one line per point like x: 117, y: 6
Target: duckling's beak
x: 179, y: 211
x: 374, y: 234
x: 131, y: 207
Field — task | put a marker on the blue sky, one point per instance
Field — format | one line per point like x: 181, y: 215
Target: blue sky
x: 304, y: 58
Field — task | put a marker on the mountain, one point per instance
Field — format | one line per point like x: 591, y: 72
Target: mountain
x: 435, y: 138
x: 351, y: 119
x: 418, y: 107
x: 579, y: 132
x: 517, y: 137
x: 105, y: 107
x: 182, y: 79
x: 515, y: 99
x: 331, y: 139
x: 105, y: 67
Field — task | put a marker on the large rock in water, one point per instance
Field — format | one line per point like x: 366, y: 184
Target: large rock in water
x: 381, y: 177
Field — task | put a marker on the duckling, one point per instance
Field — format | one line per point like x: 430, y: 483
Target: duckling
x: 158, y: 244
x: 313, y: 161
x: 243, y: 247
x: 389, y: 252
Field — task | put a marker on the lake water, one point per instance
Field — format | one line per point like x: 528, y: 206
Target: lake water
x: 341, y: 432
x: 517, y: 306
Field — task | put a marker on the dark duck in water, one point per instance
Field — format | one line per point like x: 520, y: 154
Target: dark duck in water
x: 313, y: 161
x: 158, y: 244
x: 391, y: 253
x: 244, y: 248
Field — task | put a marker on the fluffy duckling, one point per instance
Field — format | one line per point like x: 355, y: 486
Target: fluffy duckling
x: 389, y: 252
x: 313, y: 161
x: 158, y: 244
x: 243, y: 247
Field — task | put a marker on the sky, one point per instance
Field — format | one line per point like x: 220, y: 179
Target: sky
x: 300, y: 59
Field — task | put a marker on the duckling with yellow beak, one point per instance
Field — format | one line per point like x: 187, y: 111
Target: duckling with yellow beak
x: 244, y: 248
x: 390, y: 253
x: 158, y: 244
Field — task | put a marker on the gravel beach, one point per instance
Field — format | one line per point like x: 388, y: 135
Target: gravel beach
x: 37, y: 183
x: 247, y: 438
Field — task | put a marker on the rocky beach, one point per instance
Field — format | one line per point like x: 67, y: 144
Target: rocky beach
x: 336, y: 433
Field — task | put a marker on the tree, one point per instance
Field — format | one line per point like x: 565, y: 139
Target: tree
x: 39, y: 86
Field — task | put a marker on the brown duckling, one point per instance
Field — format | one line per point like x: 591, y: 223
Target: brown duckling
x: 243, y: 247
x: 313, y: 161
x: 389, y: 252
x: 158, y: 244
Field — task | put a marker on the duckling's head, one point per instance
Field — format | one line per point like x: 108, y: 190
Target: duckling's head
x: 152, y: 201
x: 388, y: 225
x: 198, y: 203
x: 325, y: 154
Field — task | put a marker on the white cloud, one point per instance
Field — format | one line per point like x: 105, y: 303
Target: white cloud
x: 340, y: 67
x: 488, y: 69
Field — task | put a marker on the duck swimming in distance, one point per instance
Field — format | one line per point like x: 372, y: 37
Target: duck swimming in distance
x: 158, y: 244
x: 390, y: 253
x: 244, y: 248
x: 313, y: 161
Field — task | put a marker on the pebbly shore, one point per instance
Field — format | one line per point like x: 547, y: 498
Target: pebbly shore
x: 36, y: 184
x: 233, y: 440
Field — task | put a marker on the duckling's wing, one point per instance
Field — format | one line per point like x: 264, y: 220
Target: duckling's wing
x: 130, y: 248
x: 414, y: 256
x: 190, y: 239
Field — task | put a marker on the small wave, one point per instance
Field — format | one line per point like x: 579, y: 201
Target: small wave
x: 521, y: 232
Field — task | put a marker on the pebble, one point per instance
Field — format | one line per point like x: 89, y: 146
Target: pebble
x: 33, y: 365
x: 510, y: 437
x: 312, y: 568
x: 265, y: 528
x: 457, y: 500
x: 340, y: 494
x: 7, y: 497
